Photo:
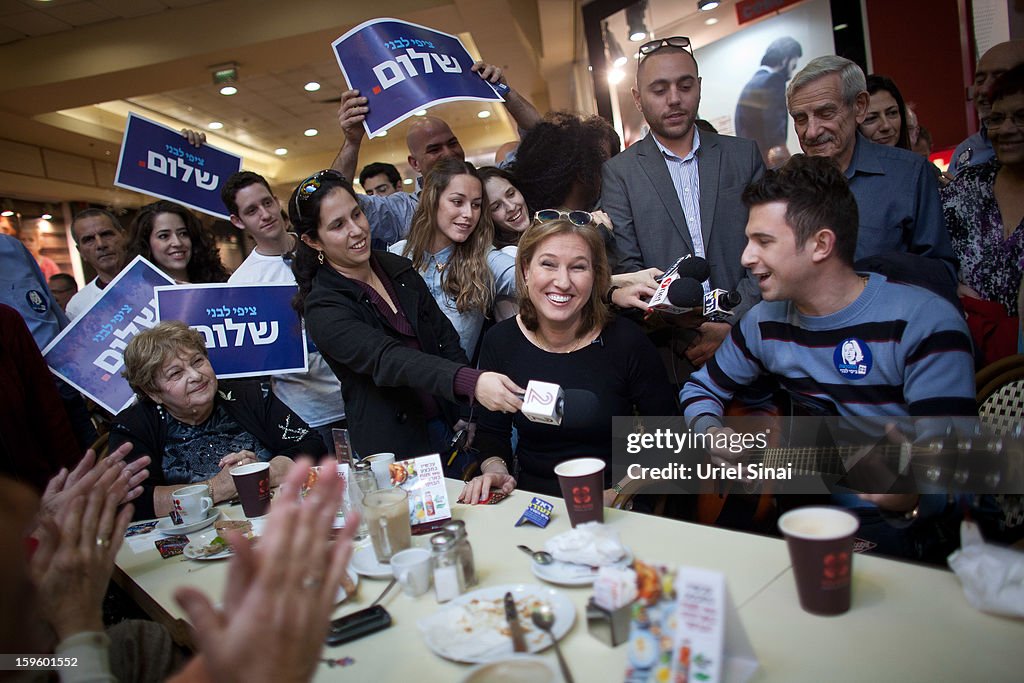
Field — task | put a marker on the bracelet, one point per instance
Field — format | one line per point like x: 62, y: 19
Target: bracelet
x: 608, y: 294
x: 491, y: 459
x: 617, y: 488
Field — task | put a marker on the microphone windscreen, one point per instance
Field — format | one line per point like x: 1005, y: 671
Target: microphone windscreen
x: 685, y: 292
x: 694, y: 267
x: 731, y: 300
x: 579, y: 408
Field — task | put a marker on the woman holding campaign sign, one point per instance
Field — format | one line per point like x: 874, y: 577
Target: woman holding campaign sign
x: 194, y: 430
x: 374, y: 320
x: 172, y: 238
x: 564, y: 335
x: 450, y: 245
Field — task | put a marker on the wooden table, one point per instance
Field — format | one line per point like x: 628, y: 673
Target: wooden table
x: 907, y: 623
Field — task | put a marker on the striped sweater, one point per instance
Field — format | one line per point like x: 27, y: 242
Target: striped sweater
x: 896, y: 350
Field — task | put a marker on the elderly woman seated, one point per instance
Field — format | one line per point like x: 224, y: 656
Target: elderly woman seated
x: 193, y: 432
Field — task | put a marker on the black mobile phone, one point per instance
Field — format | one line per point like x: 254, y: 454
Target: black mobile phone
x: 358, y: 624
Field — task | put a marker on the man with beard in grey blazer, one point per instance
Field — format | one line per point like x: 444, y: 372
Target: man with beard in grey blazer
x: 677, y: 192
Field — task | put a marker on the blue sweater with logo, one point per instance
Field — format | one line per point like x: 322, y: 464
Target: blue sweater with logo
x: 896, y: 350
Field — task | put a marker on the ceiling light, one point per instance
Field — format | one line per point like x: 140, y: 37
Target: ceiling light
x: 407, y: 181
x: 707, y: 5
x: 310, y: 132
x: 312, y: 86
x: 281, y: 151
x: 215, y: 125
x: 711, y: 21
x: 47, y: 216
x: 483, y: 114
x: 228, y: 90
x: 635, y: 21
x: 840, y: 27
x: 420, y: 112
x: 6, y: 213
x: 615, y: 54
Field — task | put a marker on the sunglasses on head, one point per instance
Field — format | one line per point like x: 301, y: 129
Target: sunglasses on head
x: 574, y: 217
x: 309, y: 187
x: 681, y: 42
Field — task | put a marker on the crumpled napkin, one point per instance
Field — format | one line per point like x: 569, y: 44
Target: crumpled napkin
x: 465, y: 636
x: 591, y: 543
x: 992, y: 576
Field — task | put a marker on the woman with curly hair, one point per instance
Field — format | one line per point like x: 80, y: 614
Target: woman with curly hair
x: 372, y: 317
x: 172, y: 238
x: 450, y: 244
x: 558, y: 163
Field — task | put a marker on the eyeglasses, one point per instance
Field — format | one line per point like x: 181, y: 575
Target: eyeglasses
x: 997, y: 119
x: 309, y: 187
x: 574, y: 217
x: 681, y: 42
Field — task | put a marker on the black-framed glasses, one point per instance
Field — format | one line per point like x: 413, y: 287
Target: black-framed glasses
x: 574, y: 217
x: 681, y: 42
x: 309, y: 187
x: 998, y: 119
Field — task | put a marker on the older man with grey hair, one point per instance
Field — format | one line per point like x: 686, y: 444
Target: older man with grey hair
x: 897, y: 195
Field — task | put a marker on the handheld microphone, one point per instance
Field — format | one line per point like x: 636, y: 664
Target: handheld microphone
x: 548, y: 403
x: 719, y: 304
x: 686, y: 293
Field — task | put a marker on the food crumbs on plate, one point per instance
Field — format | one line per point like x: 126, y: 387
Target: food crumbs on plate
x: 344, y: 661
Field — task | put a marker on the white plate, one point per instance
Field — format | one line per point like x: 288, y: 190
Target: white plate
x: 168, y: 528
x: 342, y: 596
x: 364, y: 561
x: 202, y: 540
x: 572, y: 574
x: 472, y: 627
x: 515, y: 668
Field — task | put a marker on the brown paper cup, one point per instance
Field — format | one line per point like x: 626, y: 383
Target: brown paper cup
x: 820, y: 541
x: 582, y: 482
x: 252, y: 482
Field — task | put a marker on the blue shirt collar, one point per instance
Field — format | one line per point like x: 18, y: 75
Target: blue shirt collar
x: 866, y: 158
x: 665, y: 151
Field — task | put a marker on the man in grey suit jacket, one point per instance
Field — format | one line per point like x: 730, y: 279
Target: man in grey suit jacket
x: 677, y: 191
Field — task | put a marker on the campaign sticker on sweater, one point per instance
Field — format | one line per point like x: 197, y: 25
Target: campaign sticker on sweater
x: 852, y: 358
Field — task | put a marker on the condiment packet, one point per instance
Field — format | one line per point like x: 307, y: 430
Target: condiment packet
x: 140, y: 528
x: 538, y: 512
x: 614, y: 587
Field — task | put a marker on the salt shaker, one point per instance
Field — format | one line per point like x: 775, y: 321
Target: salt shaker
x: 457, y: 528
x: 449, y: 582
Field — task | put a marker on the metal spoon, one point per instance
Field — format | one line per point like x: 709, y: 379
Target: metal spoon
x: 544, y: 619
x: 540, y: 557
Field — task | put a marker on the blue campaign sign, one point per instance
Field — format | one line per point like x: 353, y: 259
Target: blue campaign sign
x: 250, y: 330
x: 157, y: 160
x: 88, y: 353
x: 401, y: 68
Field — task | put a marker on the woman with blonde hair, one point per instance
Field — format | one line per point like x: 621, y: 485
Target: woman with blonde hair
x: 450, y: 245
x: 564, y: 334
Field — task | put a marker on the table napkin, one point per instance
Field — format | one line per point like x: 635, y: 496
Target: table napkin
x: 464, y: 636
x: 992, y: 576
x: 591, y: 543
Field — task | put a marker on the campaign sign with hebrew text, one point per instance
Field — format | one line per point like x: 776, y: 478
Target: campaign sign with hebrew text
x: 402, y: 67
x: 250, y: 329
x: 158, y: 161
x: 87, y: 354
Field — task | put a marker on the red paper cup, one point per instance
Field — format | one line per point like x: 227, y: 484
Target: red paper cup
x: 820, y: 541
x: 252, y: 482
x: 582, y: 482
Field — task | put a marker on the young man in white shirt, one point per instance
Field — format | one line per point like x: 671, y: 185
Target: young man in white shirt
x: 315, y: 395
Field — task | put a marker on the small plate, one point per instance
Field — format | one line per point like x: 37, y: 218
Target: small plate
x: 202, y: 540
x: 168, y: 528
x: 364, y: 561
x: 513, y: 669
x: 342, y: 596
x: 472, y: 627
x: 572, y: 574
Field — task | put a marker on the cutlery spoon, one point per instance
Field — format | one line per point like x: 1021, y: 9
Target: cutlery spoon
x: 540, y: 557
x: 544, y: 619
